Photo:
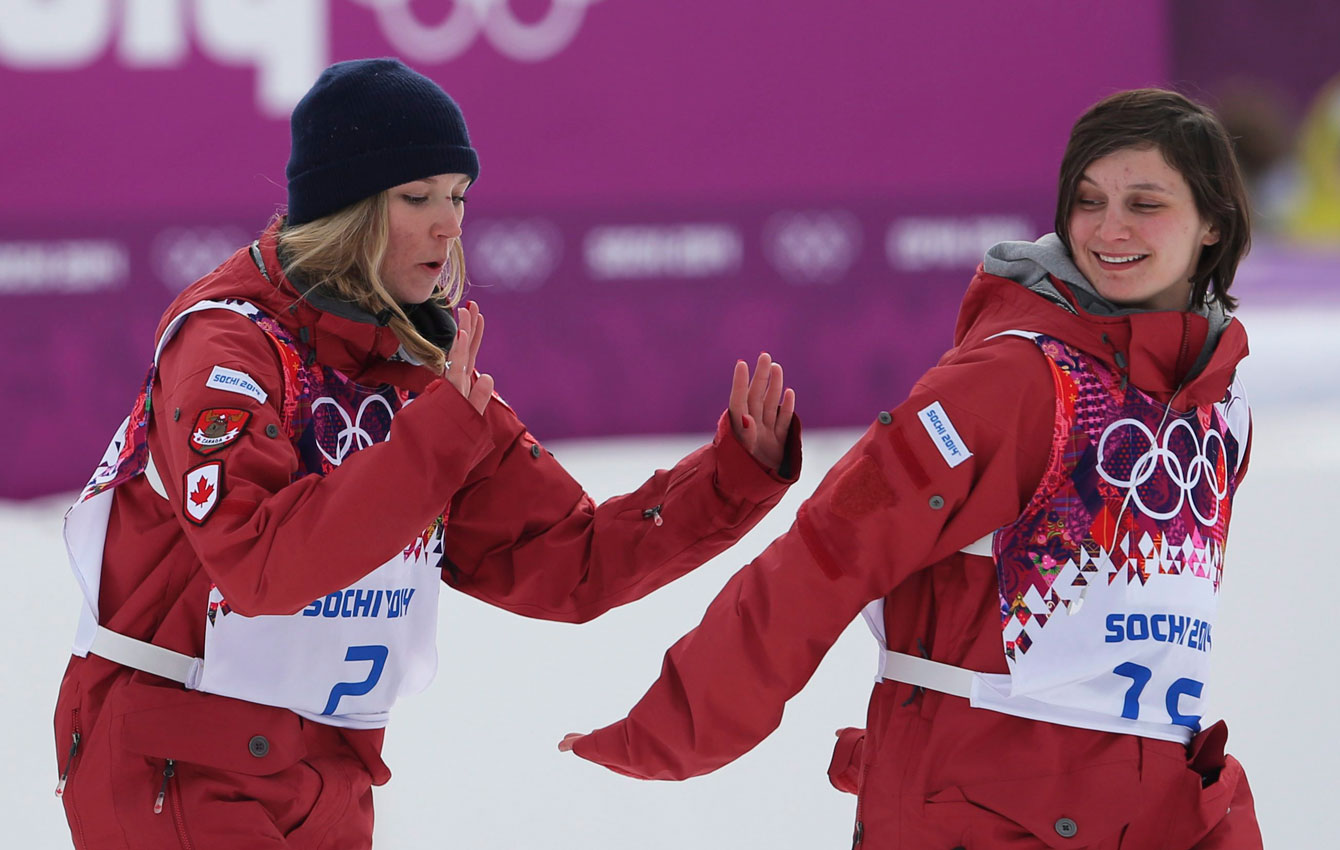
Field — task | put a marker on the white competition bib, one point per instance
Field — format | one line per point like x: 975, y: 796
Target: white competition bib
x: 345, y: 658
x: 1109, y: 579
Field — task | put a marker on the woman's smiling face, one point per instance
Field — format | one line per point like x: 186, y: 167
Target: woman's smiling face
x: 1135, y: 231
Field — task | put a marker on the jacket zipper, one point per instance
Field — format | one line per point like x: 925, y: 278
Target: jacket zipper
x: 168, y: 772
x: 654, y: 514
x: 69, y: 761
x: 178, y: 817
x: 75, y: 737
x: 858, y: 832
x: 1186, y: 342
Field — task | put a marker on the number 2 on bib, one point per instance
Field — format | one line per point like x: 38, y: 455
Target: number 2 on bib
x: 376, y: 653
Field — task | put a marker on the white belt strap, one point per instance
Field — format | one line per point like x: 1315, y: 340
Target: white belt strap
x: 148, y: 657
x: 922, y: 672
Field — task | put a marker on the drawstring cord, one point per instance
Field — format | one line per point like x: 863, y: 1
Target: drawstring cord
x: 1119, y: 357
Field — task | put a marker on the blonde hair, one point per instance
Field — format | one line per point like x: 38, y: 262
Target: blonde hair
x: 343, y: 252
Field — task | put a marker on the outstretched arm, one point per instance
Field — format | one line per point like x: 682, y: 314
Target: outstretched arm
x: 523, y: 535
x: 889, y: 508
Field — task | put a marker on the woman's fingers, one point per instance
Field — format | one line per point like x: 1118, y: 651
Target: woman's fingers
x: 784, y: 414
x: 458, y: 358
x: 759, y: 385
x: 480, y: 393
x: 739, y: 395
x: 460, y: 366
x: 772, y: 398
x: 459, y: 352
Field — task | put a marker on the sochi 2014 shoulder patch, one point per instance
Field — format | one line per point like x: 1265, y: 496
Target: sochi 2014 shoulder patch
x: 202, y: 490
x: 233, y: 381
x: 216, y: 428
x: 943, y: 433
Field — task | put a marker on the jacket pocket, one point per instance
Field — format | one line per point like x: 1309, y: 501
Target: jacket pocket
x: 338, y: 808
x: 1196, y: 788
x: 1063, y: 811
x: 208, y: 730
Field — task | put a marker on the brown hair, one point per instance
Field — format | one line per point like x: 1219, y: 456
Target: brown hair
x: 343, y: 252
x: 1191, y: 140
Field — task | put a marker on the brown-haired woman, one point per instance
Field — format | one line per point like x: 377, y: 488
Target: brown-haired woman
x: 261, y: 549
x: 1036, y: 537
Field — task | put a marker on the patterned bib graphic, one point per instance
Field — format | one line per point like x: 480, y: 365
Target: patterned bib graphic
x: 1133, y: 489
x: 1109, y: 579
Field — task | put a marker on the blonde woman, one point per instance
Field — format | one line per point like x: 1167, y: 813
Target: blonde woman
x: 261, y: 547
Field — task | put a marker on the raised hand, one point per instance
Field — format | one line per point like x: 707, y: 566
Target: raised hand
x: 460, y: 371
x: 761, y: 409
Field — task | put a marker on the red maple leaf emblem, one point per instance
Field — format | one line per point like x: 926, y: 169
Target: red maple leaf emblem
x: 202, y: 492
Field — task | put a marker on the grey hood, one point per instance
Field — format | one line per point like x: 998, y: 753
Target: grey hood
x: 1032, y: 264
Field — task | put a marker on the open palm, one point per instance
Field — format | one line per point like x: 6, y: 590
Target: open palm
x: 761, y: 409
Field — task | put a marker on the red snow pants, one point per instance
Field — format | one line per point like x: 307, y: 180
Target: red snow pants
x: 932, y: 773
x: 163, y: 767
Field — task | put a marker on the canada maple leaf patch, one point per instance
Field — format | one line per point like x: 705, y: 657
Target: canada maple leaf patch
x: 202, y: 494
x: 202, y: 486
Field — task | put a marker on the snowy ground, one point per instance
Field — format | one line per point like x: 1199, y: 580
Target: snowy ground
x: 475, y: 760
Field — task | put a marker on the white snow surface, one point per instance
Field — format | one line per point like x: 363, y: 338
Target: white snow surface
x: 475, y: 758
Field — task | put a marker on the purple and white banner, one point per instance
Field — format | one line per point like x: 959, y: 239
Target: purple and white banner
x: 666, y: 187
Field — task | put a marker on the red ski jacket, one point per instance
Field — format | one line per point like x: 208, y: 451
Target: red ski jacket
x: 521, y: 534
x: 889, y: 521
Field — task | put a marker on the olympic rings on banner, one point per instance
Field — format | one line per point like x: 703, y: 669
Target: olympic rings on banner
x: 1184, y: 478
x: 353, y: 430
x: 516, y: 39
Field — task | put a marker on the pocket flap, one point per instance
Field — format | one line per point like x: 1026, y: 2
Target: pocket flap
x: 1066, y: 810
x: 204, y: 729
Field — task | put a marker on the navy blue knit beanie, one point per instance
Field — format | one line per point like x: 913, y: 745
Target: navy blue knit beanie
x: 367, y: 125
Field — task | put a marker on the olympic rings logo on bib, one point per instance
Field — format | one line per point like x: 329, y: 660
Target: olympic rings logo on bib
x: 354, y: 435
x: 1185, y: 479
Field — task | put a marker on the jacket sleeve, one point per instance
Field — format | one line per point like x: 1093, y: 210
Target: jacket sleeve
x: 524, y: 536
x: 272, y: 544
x: 890, y: 507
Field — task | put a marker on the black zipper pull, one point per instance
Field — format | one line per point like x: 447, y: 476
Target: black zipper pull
x: 168, y: 772
x: 69, y: 760
x: 917, y: 690
x: 654, y: 514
